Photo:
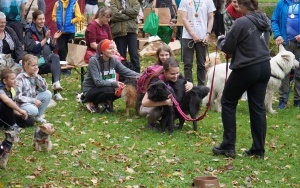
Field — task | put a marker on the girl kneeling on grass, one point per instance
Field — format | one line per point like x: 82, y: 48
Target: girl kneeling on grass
x: 31, y: 89
x: 100, y: 83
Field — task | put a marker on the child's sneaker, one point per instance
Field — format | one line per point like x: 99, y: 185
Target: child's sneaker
x: 51, y: 104
x: 40, y: 119
x: 58, y: 97
x: 56, y: 86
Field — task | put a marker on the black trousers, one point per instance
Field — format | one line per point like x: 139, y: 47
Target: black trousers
x: 62, y: 44
x: 100, y: 94
x: 9, y: 118
x: 129, y: 42
x: 254, y: 80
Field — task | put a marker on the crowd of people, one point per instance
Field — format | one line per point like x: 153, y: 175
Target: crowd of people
x: 238, y: 24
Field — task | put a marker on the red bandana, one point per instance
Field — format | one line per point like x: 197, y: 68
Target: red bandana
x: 234, y: 13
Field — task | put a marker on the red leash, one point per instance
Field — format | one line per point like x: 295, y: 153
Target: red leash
x: 186, y: 117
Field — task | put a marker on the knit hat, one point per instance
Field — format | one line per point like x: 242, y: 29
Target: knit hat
x: 105, y: 44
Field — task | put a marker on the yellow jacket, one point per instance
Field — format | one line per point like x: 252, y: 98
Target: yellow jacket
x: 65, y: 3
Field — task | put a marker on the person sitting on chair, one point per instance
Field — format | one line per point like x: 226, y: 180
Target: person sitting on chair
x: 39, y: 43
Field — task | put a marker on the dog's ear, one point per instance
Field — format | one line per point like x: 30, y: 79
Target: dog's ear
x: 281, y: 48
x: 43, y: 127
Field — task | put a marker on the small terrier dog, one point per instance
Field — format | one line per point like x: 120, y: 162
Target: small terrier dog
x: 130, y: 96
x: 5, y: 147
x: 41, y: 137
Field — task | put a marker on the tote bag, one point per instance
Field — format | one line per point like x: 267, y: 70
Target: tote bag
x: 151, y: 24
x: 76, y: 53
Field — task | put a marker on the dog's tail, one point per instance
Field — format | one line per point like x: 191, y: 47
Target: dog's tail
x: 130, y: 95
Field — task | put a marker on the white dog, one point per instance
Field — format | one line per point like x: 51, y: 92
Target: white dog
x: 281, y: 65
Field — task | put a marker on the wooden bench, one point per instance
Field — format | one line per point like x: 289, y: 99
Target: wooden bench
x: 82, y: 67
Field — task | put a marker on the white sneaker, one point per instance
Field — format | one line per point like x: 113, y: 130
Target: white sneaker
x: 40, y: 119
x: 58, y: 97
x: 56, y: 86
x: 51, y: 104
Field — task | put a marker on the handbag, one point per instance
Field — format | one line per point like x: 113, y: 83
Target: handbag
x: 151, y: 24
x: 41, y: 61
x: 76, y: 52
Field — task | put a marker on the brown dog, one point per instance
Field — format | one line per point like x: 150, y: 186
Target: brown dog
x: 41, y: 137
x: 130, y: 95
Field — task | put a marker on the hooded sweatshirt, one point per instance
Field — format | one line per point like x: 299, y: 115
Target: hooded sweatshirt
x: 94, y: 77
x: 248, y: 40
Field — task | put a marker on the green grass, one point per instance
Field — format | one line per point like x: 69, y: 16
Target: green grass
x: 112, y: 150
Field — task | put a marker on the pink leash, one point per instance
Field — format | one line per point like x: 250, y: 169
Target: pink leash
x: 186, y: 117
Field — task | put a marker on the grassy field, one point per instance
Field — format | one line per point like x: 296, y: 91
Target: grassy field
x: 112, y: 150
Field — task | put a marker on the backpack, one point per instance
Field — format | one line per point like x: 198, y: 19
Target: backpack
x: 149, y: 73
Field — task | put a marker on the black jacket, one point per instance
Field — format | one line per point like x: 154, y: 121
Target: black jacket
x: 247, y: 40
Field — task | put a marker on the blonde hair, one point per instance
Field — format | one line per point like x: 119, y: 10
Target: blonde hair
x: 28, y: 59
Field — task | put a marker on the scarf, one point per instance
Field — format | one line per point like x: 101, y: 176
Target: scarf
x: 233, y: 13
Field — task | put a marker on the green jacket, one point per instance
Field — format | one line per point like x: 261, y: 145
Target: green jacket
x: 124, y: 21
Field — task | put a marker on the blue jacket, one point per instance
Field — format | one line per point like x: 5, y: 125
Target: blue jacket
x: 279, y: 19
x: 32, y: 41
x: 66, y: 26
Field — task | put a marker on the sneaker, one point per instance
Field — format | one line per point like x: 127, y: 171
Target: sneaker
x: 297, y: 103
x: 58, y: 97
x: 218, y: 150
x: 51, y: 104
x: 56, y: 86
x: 40, y: 119
x: 282, y: 103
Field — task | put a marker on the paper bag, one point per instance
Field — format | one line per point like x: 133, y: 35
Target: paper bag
x: 164, y: 14
x: 76, y: 53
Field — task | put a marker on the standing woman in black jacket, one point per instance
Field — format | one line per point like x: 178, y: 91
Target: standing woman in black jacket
x: 248, y: 43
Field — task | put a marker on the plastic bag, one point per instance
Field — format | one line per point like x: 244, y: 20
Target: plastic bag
x: 151, y: 24
x: 165, y: 33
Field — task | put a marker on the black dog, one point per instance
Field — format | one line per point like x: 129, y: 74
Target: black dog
x: 158, y: 92
x: 190, y: 101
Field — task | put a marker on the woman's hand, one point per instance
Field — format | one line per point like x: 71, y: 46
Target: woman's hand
x: 279, y: 40
x: 48, y: 34
x: 188, y: 86
x: 57, y: 34
x: 169, y: 102
x: 120, y: 84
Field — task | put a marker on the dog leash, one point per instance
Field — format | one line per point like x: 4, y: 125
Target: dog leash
x: 208, y: 104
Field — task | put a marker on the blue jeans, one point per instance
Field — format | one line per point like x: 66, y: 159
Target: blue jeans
x: 129, y: 41
x: 34, y: 111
